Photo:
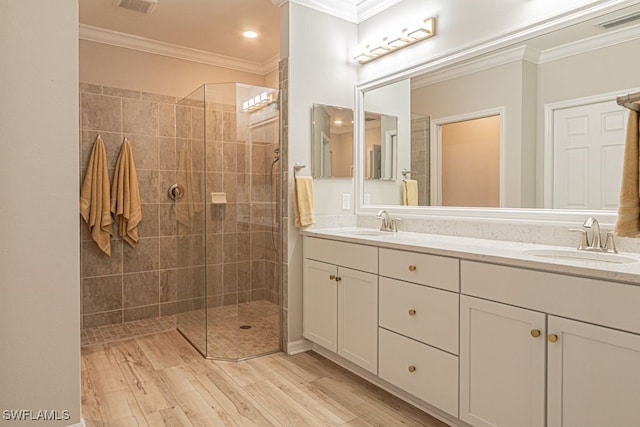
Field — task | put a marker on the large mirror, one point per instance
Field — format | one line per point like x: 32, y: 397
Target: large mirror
x: 331, y: 142
x: 531, y: 125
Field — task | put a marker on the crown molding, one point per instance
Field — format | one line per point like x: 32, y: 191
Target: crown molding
x: 354, y: 11
x: 142, y: 44
x: 522, y: 53
x: 589, y: 44
x: 369, y: 8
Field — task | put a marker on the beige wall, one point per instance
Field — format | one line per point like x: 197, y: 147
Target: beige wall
x: 507, y: 86
x: 39, y: 255
x: 471, y: 163
x: 106, y: 65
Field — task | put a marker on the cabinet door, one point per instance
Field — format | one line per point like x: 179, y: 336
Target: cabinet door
x: 593, y: 376
x: 358, y: 318
x: 320, y: 304
x: 502, y: 364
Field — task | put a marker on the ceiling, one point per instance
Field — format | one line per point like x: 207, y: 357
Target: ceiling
x: 211, y: 26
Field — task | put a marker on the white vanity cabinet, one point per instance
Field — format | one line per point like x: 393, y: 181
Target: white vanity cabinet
x: 502, y: 364
x: 592, y: 376
x: 419, y: 325
x: 340, y: 299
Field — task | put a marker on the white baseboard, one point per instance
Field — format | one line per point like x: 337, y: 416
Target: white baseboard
x: 300, y: 346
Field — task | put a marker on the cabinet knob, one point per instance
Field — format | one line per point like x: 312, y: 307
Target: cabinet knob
x: 332, y: 277
x: 412, y: 267
x: 552, y: 338
x: 535, y: 333
x: 412, y: 368
x: 412, y: 312
x: 338, y: 279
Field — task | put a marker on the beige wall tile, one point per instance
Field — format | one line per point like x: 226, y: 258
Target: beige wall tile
x: 168, y: 285
x: 101, y: 294
x: 144, y: 257
x: 96, y: 263
x: 101, y: 113
x: 141, y: 289
x: 140, y: 313
x: 139, y: 117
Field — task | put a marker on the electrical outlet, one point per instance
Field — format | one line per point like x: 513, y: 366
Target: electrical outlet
x: 346, y: 201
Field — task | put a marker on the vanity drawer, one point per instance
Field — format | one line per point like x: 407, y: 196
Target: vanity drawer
x: 419, y: 312
x: 596, y: 301
x: 432, y: 270
x: 435, y: 377
x: 358, y: 257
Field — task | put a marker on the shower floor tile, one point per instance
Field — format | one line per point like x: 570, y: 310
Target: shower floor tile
x: 123, y: 331
x: 235, y: 331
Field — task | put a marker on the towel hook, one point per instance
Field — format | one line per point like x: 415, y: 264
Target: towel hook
x: 405, y: 172
x: 297, y: 168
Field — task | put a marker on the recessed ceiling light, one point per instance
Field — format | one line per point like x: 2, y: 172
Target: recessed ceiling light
x: 250, y: 34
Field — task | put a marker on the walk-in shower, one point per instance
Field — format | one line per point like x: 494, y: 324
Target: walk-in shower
x: 228, y: 218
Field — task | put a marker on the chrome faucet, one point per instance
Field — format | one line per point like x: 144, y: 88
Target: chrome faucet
x: 595, y: 243
x: 388, y: 223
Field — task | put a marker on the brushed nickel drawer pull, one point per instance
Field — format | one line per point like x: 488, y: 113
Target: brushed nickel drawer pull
x: 412, y: 312
x: 412, y: 368
x: 535, y: 333
x: 338, y: 279
x: 332, y: 277
x: 412, y: 267
x: 552, y: 338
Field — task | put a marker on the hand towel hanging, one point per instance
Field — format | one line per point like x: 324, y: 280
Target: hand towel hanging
x: 303, y: 201
x: 628, y: 224
x: 94, y: 198
x: 125, y: 196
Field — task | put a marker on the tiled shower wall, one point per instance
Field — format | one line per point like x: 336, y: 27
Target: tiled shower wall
x: 137, y: 283
x: 144, y: 282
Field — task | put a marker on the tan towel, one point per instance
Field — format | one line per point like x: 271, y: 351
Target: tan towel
x: 628, y: 224
x: 94, y: 198
x: 410, y: 192
x: 303, y: 201
x: 190, y: 201
x: 125, y: 196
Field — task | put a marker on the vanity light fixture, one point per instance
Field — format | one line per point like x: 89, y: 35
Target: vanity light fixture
x: 257, y: 102
x: 407, y: 37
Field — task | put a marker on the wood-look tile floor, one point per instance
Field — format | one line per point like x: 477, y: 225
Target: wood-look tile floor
x: 160, y: 380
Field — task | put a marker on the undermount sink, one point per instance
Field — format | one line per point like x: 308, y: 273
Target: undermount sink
x: 581, y: 255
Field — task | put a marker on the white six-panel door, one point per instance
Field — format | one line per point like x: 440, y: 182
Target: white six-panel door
x: 588, y: 146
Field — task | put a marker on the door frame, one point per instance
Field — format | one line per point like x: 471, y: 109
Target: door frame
x: 436, y: 149
x: 548, y: 140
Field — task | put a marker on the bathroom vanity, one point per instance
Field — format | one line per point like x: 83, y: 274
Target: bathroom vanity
x: 479, y: 332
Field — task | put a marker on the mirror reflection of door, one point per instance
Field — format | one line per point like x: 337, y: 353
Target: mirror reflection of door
x: 470, y: 168
x: 331, y: 142
x: 588, y: 144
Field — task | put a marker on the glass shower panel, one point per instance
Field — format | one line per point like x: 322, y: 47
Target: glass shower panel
x: 237, y: 249
x: 191, y: 272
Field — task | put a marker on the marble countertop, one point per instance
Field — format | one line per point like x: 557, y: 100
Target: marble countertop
x: 493, y: 251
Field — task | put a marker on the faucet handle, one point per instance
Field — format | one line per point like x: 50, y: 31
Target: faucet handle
x: 610, y: 244
x: 394, y: 224
x: 584, y: 238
